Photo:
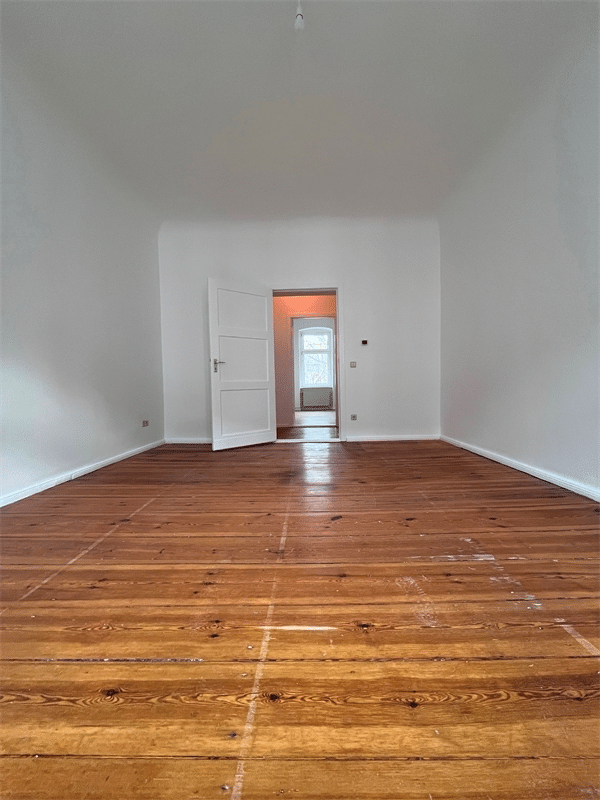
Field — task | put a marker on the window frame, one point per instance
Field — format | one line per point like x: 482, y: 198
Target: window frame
x: 319, y: 331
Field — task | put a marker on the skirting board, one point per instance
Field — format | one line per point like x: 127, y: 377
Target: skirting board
x: 13, y: 497
x: 559, y: 480
x: 409, y: 437
x: 179, y: 440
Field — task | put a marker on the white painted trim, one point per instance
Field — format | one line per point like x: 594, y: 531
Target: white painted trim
x: 188, y: 440
x: 21, y: 494
x: 341, y: 364
x: 390, y: 438
x: 585, y: 489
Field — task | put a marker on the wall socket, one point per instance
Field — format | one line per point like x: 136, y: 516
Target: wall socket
x: 145, y: 423
x: 353, y: 416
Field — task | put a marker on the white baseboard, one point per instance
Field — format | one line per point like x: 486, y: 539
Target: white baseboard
x: 179, y: 440
x: 34, y: 488
x: 408, y: 437
x: 587, y: 490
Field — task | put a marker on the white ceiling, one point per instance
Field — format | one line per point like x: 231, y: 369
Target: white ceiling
x: 220, y: 109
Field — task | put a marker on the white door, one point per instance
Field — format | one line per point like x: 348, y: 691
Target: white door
x: 241, y: 364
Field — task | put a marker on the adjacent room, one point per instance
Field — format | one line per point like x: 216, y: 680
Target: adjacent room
x: 306, y: 365
x: 394, y: 595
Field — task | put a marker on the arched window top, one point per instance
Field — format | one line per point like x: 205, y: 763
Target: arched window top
x: 316, y: 339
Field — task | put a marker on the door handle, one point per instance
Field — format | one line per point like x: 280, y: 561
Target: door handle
x: 216, y: 363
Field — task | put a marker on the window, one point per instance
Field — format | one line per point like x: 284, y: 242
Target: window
x: 316, y: 357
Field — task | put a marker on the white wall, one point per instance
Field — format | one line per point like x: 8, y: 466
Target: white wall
x: 519, y: 262
x: 388, y: 276
x: 81, y: 308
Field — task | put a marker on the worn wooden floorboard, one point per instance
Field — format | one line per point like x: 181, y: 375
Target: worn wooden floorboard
x: 403, y: 621
x: 55, y: 778
x: 260, y: 547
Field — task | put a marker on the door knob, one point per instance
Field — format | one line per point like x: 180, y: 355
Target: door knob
x: 216, y: 363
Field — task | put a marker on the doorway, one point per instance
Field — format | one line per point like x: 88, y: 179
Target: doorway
x: 306, y: 365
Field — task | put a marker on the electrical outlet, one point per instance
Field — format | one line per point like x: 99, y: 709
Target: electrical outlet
x: 145, y: 423
x: 353, y: 416
x: 353, y: 364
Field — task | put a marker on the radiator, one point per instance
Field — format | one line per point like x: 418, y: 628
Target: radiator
x: 316, y: 398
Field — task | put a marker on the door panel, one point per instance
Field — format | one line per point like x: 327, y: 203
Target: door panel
x: 245, y: 359
x: 242, y: 309
x: 244, y: 411
x: 242, y: 368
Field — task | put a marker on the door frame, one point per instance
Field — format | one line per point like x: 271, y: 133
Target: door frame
x: 339, y: 349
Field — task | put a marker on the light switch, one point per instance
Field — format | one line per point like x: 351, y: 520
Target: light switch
x: 353, y: 363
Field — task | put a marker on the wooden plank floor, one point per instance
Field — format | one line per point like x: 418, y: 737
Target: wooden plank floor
x: 314, y: 620
x: 318, y: 433
x: 311, y: 426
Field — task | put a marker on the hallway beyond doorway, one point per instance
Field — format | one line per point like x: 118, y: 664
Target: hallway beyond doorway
x: 297, y: 314
x: 314, y: 419
x: 311, y: 426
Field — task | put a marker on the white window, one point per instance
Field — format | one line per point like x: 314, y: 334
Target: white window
x: 316, y: 357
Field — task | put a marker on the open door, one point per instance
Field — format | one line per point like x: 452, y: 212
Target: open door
x: 241, y: 364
